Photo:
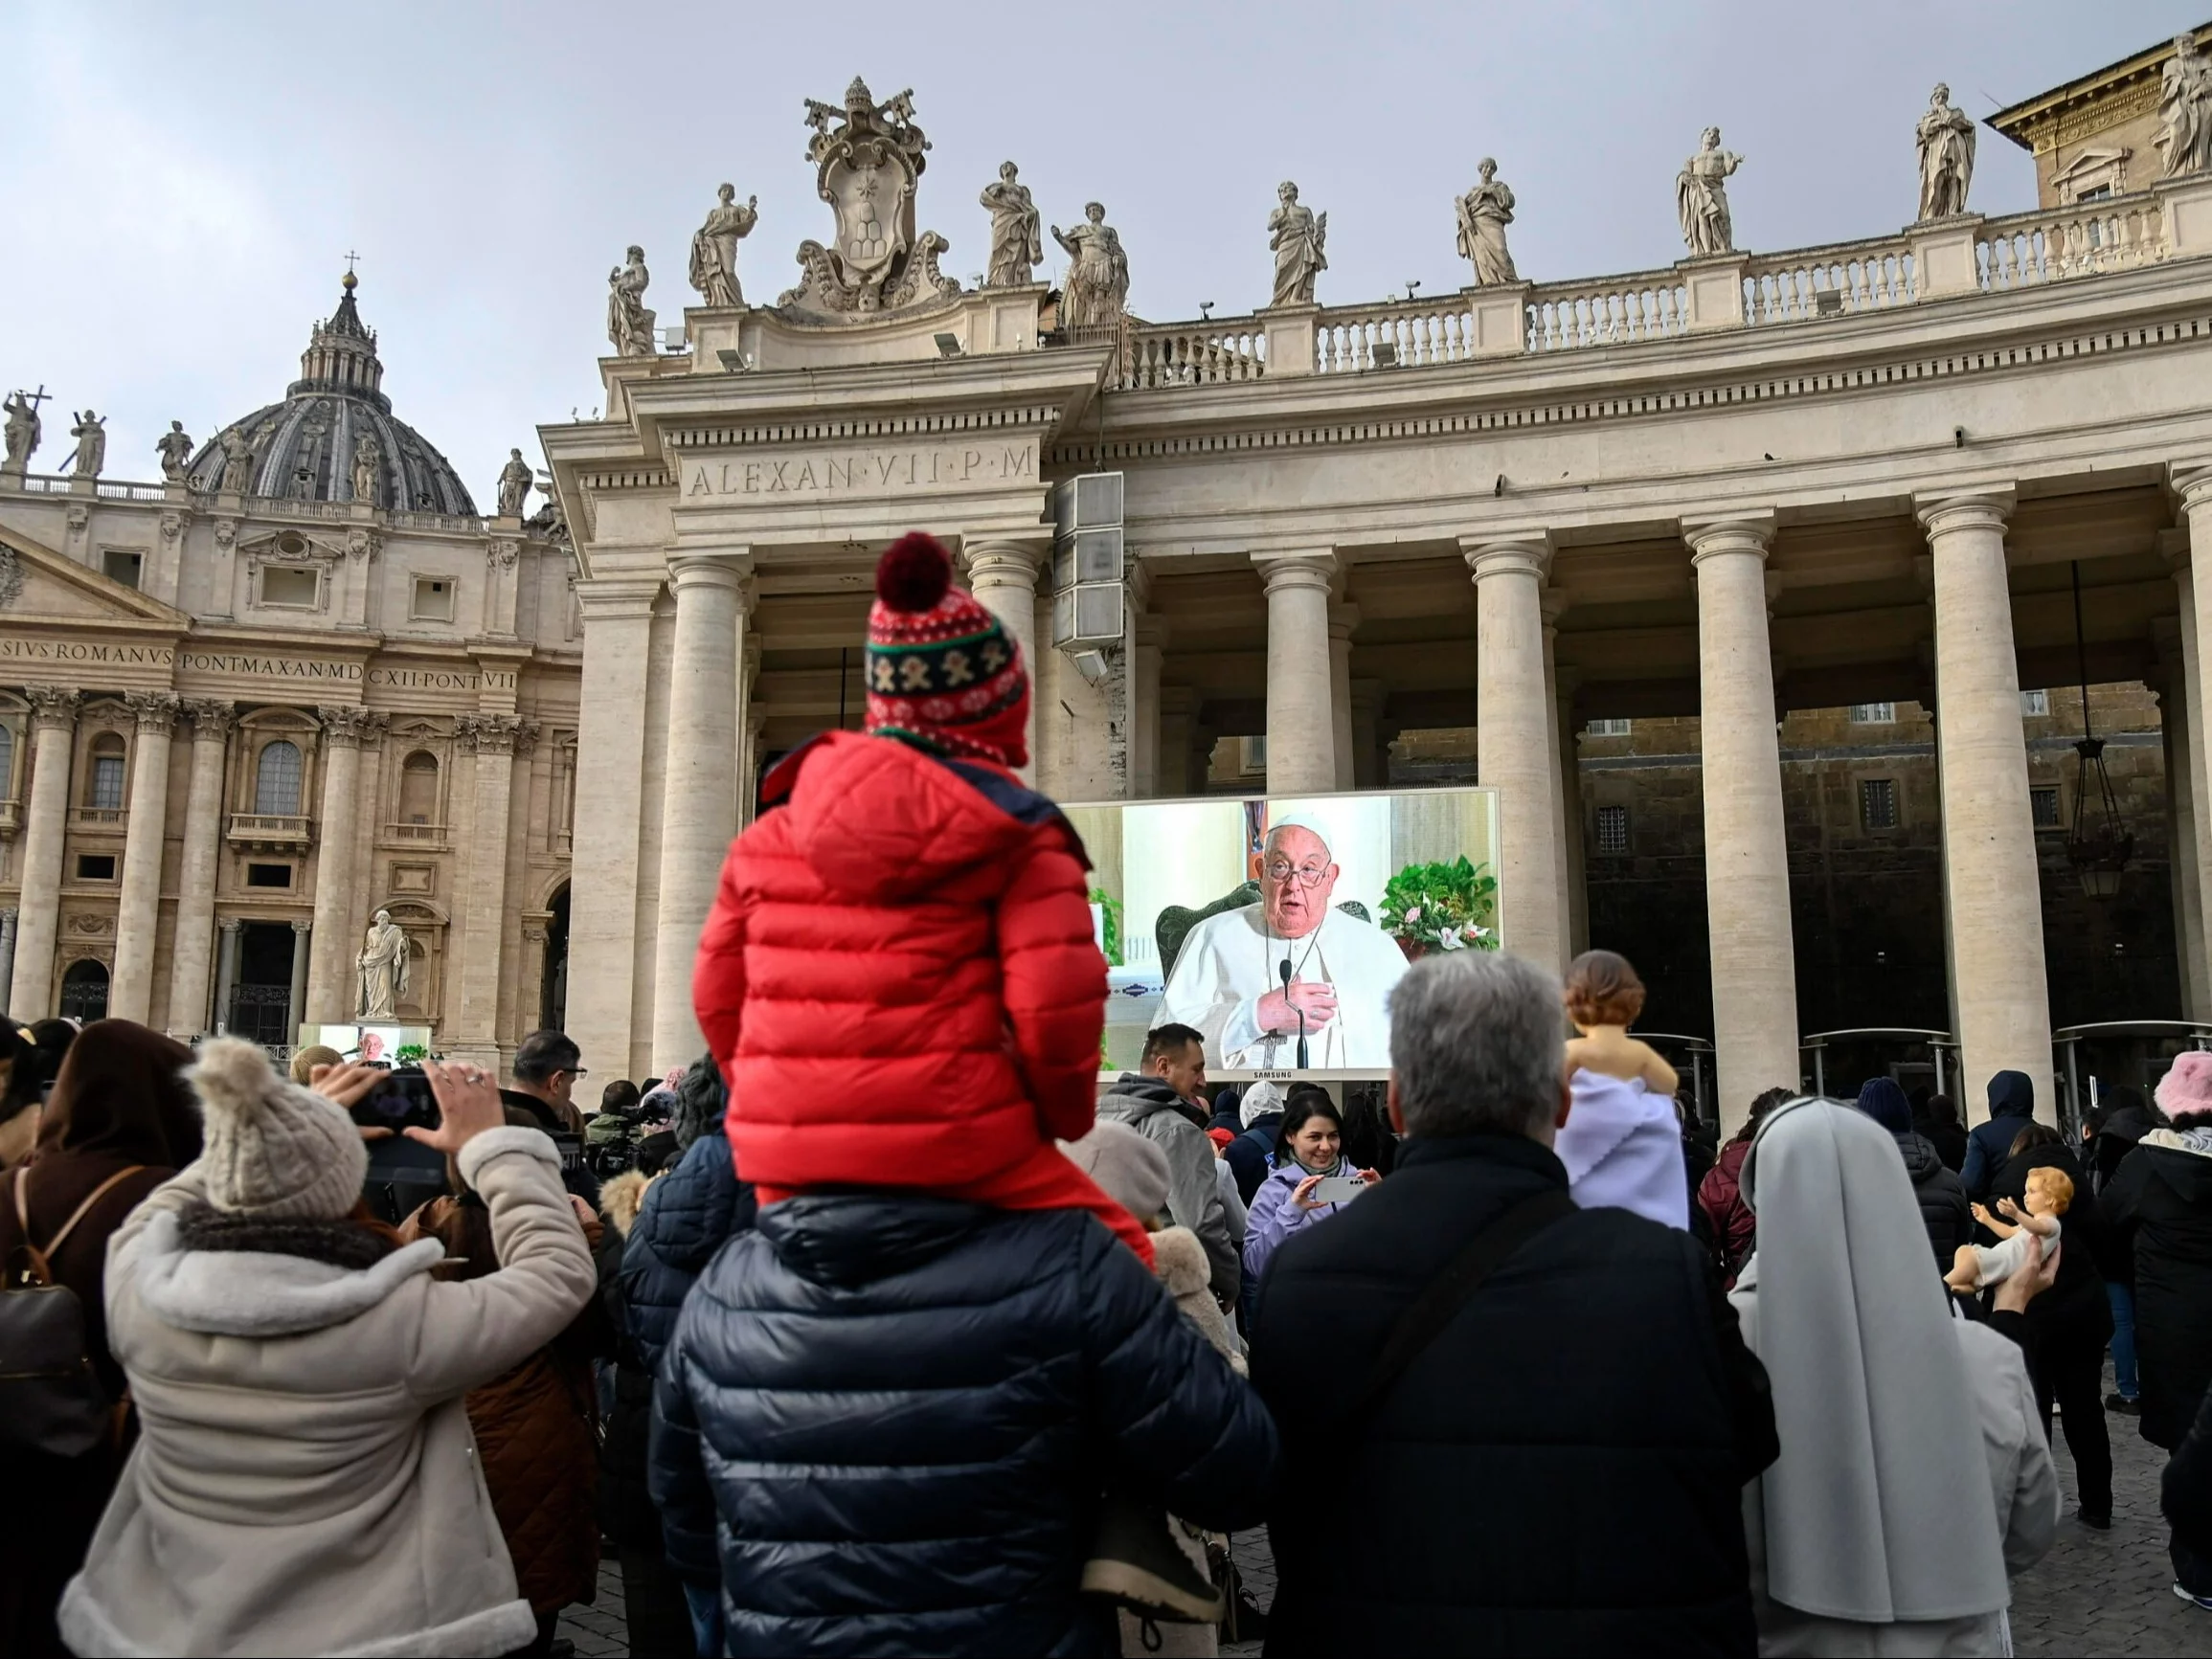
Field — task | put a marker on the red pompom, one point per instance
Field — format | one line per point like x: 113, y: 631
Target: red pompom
x: 914, y: 572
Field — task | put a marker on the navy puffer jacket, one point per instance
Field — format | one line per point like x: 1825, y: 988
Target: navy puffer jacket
x: 887, y: 1419
x: 686, y: 1215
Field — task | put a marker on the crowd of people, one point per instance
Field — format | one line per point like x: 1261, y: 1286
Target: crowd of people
x: 881, y: 1328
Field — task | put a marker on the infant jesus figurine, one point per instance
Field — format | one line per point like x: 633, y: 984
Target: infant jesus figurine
x: 2049, y: 1194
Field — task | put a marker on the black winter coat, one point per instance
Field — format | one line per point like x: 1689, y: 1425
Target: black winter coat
x: 2185, y: 1489
x: 1989, y: 1144
x: 2075, y: 1310
x: 1560, y: 1471
x: 686, y: 1216
x: 2161, y: 1198
x: 1943, y: 1208
x: 888, y: 1419
x: 1248, y: 1155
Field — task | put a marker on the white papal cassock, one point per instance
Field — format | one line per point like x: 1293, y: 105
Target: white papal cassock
x: 1230, y: 961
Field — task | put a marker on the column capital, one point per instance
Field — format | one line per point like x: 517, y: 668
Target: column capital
x: 1745, y: 532
x: 212, y: 717
x: 155, y: 712
x: 302, y: 927
x: 1342, y: 620
x: 230, y: 924
x: 694, y: 569
x: 486, y: 733
x: 347, y: 725
x: 1152, y: 630
x: 1978, y: 509
x: 53, y: 707
x: 1002, y: 564
x: 1280, y: 571
x: 2192, y: 481
x: 1527, y: 554
x: 607, y: 598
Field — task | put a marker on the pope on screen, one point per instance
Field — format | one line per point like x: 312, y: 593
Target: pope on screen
x: 1228, y: 982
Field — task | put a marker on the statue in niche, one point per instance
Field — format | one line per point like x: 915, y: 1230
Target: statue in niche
x: 24, y: 430
x: 514, y: 480
x: 714, y: 247
x: 1017, y: 248
x: 175, y: 449
x: 384, y: 968
x: 91, y: 434
x: 1484, y: 212
x: 1945, y: 136
x: 1097, y: 284
x: 629, y: 323
x: 367, y: 455
x: 2185, y: 111
x: 1702, y: 197
x: 1296, y: 237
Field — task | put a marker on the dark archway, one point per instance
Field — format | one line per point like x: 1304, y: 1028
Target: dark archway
x: 553, y: 983
x: 84, y: 992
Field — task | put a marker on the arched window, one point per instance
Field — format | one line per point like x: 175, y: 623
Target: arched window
x: 84, y: 992
x: 277, y: 780
x: 104, y: 781
x: 418, y: 787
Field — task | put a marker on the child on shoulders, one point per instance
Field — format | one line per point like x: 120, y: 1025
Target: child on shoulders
x: 1623, y: 1141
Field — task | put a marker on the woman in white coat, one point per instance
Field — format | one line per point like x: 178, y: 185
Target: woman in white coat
x: 1913, y: 1474
x: 305, y: 1480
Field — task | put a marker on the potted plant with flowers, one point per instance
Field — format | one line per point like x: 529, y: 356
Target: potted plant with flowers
x: 1442, y: 907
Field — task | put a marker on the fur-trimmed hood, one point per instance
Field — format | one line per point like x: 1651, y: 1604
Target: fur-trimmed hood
x: 1179, y: 1262
x: 619, y: 1199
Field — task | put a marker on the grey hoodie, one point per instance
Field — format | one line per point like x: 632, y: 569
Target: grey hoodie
x: 1154, y: 1111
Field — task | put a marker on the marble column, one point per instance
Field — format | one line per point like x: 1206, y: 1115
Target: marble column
x: 492, y: 737
x: 611, y: 786
x: 191, y: 956
x: 1575, y: 871
x: 330, y: 972
x: 1179, y: 706
x: 2193, y: 486
x: 296, y: 1002
x: 45, y: 825
x: 226, y: 972
x: 1369, y: 764
x: 1003, y: 577
x: 1994, y: 890
x: 1148, y: 634
x: 1747, y: 849
x: 1551, y: 604
x: 699, y: 813
x: 1300, y: 711
x: 8, y: 945
x: 1344, y: 619
x: 138, y: 913
x: 1514, y: 753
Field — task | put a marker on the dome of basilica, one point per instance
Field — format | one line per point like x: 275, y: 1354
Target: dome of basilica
x: 305, y: 448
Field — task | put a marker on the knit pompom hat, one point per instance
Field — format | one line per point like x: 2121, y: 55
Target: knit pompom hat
x: 2187, y: 1088
x: 272, y: 1148
x: 943, y: 672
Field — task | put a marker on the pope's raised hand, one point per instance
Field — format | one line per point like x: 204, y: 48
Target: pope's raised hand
x: 1278, y: 1010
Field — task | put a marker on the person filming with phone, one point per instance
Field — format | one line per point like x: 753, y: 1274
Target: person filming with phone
x: 1307, y: 1180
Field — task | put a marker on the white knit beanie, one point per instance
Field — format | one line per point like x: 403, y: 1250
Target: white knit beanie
x: 271, y: 1146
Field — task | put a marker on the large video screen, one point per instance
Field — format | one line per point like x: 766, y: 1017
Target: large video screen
x: 1267, y: 922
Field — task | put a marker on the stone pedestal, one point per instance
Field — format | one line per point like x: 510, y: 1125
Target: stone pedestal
x: 1942, y: 256
x: 191, y: 955
x: 45, y: 820
x: 1301, y: 712
x: 138, y: 914
x: 1714, y: 290
x: 1991, y: 884
x: 1288, y: 331
x: 1501, y: 314
x: 1747, y: 850
x: 699, y: 810
x: 1515, y: 753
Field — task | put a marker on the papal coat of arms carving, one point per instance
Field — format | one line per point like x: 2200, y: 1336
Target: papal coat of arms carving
x: 867, y: 159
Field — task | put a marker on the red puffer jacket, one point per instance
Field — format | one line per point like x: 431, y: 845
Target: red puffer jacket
x: 900, y: 984
x: 1719, y: 1195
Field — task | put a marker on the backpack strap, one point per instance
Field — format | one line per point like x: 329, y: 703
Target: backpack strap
x: 1443, y: 1298
x: 41, y: 1258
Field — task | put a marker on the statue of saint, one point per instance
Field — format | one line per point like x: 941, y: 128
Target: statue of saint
x: 1946, y: 139
x: 1296, y: 237
x: 23, y: 431
x: 175, y: 450
x: 91, y: 434
x: 1097, y: 284
x: 1484, y: 212
x: 1702, y: 197
x: 714, y: 250
x: 368, y: 453
x: 1016, y: 247
x: 384, y: 968
x: 237, y: 460
x: 2185, y: 111
x: 629, y: 325
x: 514, y: 480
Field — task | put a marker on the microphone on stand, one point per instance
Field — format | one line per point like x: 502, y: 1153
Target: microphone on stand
x: 1301, y: 1013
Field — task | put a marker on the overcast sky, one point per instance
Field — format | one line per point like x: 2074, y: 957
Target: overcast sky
x: 179, y: 185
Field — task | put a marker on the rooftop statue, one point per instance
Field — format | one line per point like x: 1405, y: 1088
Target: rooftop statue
x: 1097, y: 285
x: 237, y: 460
x: 514, y: 480
x: 23, y: 431
x: 91, y: 434
x: 175, y: 449
x: 1946, y: 139
x: 1017, y: 248
x: 1296, y: 238
x: 629, y: 323
x: 714, y: 247
x: 1702, y: 197
x: 2185, y: 111
x: 1484, y: 212
x: 867, y: 159
x: 367, y: 455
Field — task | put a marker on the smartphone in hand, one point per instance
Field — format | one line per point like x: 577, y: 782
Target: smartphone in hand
x: 1337, y: 1189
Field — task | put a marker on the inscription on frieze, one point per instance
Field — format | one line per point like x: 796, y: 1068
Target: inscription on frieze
x: 867, y: 472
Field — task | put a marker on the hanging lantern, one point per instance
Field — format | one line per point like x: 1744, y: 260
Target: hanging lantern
x: 2098, y: 844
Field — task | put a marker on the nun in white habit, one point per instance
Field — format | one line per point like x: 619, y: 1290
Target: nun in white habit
x: 1913, y: 1474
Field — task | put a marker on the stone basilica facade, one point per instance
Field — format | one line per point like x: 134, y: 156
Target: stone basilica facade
x: 1346, y: 545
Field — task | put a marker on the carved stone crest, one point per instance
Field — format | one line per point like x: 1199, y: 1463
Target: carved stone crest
x: 10, y: 576
x: 866, y: 165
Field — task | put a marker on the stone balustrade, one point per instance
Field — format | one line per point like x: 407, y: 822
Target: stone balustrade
x: 1832, y: 282
x: 1611, y: 311
x: 2116, y: 234
x: 1201, y: 354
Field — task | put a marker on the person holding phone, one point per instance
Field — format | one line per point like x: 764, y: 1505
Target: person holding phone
x: 1308, y: 1179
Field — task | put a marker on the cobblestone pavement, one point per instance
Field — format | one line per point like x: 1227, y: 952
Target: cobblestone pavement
x: 2103, y: 1593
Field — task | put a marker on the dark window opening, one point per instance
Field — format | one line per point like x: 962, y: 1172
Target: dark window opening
x: 1613, y: 830
x: 2043, y: 808
x: 96, y: 866
x: 1877, y: 802
x: 268, y: 875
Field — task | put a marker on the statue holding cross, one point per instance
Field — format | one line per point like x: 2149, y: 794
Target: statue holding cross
x: 23, y: 430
